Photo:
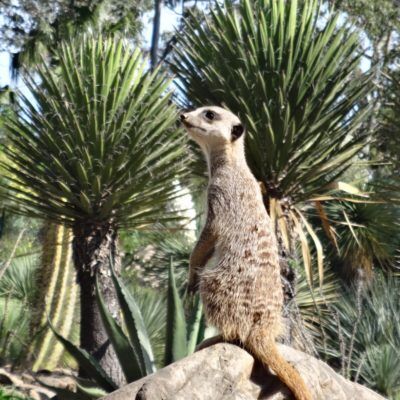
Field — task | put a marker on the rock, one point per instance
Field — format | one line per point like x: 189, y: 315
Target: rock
x: 227, y: 372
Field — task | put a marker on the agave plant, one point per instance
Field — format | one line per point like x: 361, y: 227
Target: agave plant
x: 293, y: 79
x: 95, y: 147
x: 132, y: 342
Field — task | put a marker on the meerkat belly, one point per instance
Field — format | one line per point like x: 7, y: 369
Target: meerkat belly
x: 237, y: 289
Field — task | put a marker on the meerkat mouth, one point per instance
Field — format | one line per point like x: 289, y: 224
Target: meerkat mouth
x: 189, y: 125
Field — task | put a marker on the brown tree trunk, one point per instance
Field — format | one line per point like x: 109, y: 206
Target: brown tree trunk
x: 155, y: 39
x: 94, y: 247
x: 288, y: 279
x: 290, y: 314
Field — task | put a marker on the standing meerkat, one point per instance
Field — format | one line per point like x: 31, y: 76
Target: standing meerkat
x: 235, y: 261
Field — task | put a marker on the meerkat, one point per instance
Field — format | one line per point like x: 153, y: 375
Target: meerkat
x: 235, y: 262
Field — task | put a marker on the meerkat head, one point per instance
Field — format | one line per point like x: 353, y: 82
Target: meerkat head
x: 212, y: 126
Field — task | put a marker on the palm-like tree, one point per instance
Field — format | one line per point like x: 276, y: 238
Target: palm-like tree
x: 96, y: 148
x: 296, y: 86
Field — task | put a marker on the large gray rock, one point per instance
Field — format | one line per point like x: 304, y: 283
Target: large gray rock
x: 225, y: 371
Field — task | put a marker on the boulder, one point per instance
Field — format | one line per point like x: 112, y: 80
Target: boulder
x: 225, y: 371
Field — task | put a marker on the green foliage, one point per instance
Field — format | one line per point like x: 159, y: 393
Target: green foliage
x: 296, y: 87
x: 313, y: 305
x: 87, y: 362
x: 135, y: 327
x: 131, y: 339
x: 13, y: 225
x: 367, y: 235
x: 362, y: 335
x: 98, y: 141
x: 376, y: 18
x: 154, y: 253
x: 14, y: 329
x: 153, y: 307
x: 176, y: 342
x: 16, y: 289
x: 18, y: 282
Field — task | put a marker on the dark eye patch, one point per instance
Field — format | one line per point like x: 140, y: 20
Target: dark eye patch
x: 211, y: 115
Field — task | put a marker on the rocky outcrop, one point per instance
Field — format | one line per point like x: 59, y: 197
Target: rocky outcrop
x: 225, y: 371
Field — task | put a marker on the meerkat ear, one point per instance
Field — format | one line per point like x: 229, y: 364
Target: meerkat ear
x: 237, y: 131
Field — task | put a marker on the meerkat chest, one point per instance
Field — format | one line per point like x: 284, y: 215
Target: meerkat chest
x: 234, y: 201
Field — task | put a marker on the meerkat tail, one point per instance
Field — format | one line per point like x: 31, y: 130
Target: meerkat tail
x: 267, y: 352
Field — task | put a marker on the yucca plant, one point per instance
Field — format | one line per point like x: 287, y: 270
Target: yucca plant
x: 293, y: 79
x: 95, y: 147
x: 132, y: 341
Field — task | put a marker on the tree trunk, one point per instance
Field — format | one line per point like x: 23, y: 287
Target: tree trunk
x: 155, y: 39
x: 94, y: 247
x: 288, y: 278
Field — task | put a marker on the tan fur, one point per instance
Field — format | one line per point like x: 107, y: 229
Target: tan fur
x: 236, y: 258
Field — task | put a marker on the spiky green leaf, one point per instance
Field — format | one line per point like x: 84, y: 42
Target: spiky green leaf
x: 176, y: 346
x: 127, y: 358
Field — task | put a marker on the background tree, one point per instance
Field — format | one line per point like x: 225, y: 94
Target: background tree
x: 379, y: 23
x: 97, y: 151
x: 31, y: 29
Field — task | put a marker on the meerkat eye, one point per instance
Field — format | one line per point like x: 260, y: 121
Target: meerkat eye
x: 210, y: 115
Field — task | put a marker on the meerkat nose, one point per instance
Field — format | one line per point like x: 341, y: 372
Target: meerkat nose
x: 183, y: 117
